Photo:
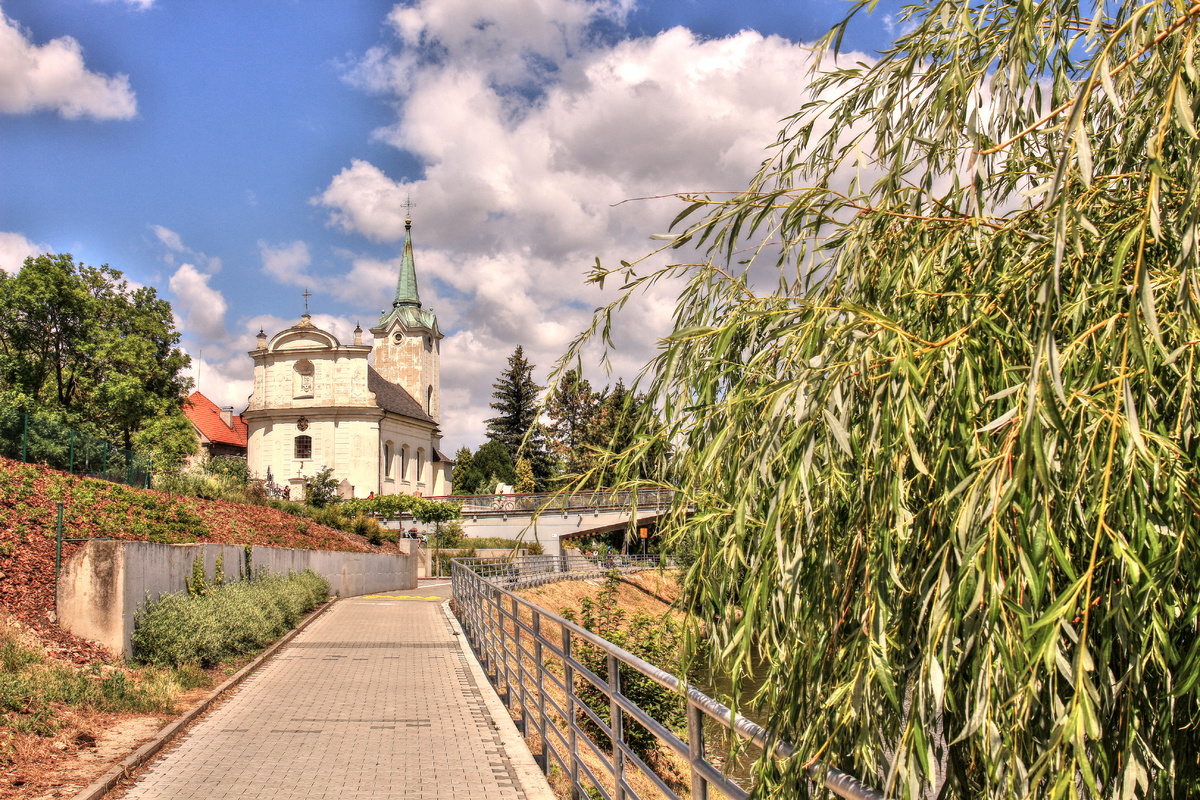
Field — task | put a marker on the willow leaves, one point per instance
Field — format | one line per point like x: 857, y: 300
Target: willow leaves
x: 945, y: 473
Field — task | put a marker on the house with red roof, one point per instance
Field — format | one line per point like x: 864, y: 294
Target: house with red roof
x: 221, y: 432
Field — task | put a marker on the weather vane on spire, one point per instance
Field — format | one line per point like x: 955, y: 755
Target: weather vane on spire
x: 307, y: 294
x: 409, y: 205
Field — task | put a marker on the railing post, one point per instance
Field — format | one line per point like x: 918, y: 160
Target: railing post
x: 616, y: 723
x: 541, y: 691
x: 569, y: 685
x: 520, y: 659
x: 695, y: 723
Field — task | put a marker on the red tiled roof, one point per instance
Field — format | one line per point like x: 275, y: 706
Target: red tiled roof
x: 206, y: 416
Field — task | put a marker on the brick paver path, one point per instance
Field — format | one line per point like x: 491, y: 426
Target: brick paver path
x: 376, y: 699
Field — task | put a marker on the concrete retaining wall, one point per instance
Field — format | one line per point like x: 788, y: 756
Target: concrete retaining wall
x: 104, y: 585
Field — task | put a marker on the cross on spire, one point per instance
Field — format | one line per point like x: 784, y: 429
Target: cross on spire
x: 409, y: 205
x: 307, y: 294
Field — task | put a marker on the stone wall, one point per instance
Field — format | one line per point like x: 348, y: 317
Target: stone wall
x: 103, y: 586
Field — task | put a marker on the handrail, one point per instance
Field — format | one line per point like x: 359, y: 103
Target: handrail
x: 537, y: 502
x: 514, y: 653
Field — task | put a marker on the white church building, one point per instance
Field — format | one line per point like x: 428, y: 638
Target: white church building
x: 320, y: 403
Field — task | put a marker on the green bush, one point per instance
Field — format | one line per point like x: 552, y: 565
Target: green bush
x: 227, y: 622
x: 658, y: 640
x: 497, y: 543
x: 330, y: 516
x: 232, y: 468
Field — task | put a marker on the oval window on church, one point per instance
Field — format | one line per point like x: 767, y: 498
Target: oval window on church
x: 398, y: 338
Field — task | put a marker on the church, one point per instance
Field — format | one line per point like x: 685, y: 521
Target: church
x: 319, y: 403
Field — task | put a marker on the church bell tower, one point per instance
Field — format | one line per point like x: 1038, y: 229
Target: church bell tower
x: 407, y: 340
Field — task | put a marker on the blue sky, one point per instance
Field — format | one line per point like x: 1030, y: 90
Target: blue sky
x: 232, y: 153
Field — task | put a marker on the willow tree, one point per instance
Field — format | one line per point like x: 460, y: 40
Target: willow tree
x: 944, y: 465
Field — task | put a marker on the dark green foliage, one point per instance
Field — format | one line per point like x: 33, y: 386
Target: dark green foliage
x: 232, y: 468
x: 491, y: 464
x: 77, y: 340
x: 321, y: 489
x: 657, y: 640
x: 516, y: 401
x: 226, y: 622
x: 517, y: 426
x: 573, y: 409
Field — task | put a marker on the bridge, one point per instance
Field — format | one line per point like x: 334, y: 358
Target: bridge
x: 550, y: 518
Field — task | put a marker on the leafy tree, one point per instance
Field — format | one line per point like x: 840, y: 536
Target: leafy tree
x: 494, y: 464
x: 321, y: 490
x: 525, y: 481
x: 168, y: 439
x: 79, y: 340
x: 233, y: 468
x: 945, y: 468
x: 573, y: 409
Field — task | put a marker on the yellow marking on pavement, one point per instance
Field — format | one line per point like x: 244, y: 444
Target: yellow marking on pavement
x: 399, y: 597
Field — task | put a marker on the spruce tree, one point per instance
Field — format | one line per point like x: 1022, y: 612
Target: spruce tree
x: 516, y: 400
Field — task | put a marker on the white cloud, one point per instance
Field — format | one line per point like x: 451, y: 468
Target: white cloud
x: 288, y: 263
x: 168, y: 237
x: 201, y: 307
x: 52, y: 77
x: 141, y: 5
x: 532, y: 133
x: 15, y: 248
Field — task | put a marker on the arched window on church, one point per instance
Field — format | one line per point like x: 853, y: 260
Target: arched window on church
x: 303, y: 447
x: 429, y: 400
x: 303, y: 379
x: 420, y: 465
x: 387, y: 459
x: 404, y: 463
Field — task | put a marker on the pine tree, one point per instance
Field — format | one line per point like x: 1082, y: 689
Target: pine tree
x: 516, y: 398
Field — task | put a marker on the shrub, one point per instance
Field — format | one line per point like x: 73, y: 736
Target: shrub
x: 658, y: 640
x: 232, y: 468
x: 322, y: 489
x: 498, y: 543
x: 227, y: 622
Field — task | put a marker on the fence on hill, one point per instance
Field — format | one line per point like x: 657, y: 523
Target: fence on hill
x: 36, y: 439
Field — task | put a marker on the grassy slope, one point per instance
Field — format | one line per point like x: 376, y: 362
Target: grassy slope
x: 93, y: 508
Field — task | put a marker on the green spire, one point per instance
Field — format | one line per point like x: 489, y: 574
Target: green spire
x: 407, y: 306
x: 406, y: 286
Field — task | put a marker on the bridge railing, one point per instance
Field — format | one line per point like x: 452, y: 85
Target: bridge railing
x: 530, y: 657
x: 598, y: 500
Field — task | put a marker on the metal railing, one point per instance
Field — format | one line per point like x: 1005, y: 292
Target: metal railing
x: 37, y: 439
x: 530, y: 657
x: 598, y: 500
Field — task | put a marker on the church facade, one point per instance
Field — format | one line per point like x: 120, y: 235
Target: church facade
x: 320, y: 403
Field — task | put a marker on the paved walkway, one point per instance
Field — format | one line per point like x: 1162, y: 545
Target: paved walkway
x: 376, y: 699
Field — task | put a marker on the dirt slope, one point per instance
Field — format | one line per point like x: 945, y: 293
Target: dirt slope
x: 93, y: 508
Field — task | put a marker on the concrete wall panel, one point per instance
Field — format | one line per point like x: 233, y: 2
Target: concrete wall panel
x: 105, y: 583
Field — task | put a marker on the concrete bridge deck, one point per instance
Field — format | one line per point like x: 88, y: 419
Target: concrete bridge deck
x: 378, y: 698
